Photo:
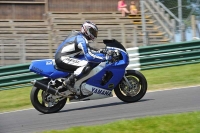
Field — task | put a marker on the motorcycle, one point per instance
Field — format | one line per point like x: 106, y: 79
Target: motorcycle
x: 48, y: 95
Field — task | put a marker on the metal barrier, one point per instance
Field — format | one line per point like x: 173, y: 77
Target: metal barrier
x: 16, y: 76
x: 141, y: 58
x: 165, y: 55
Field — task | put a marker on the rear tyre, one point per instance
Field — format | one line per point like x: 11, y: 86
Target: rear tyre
x: 44, y: 102
x: 138, y: 90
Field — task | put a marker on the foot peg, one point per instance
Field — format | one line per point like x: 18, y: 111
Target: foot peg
x: 69, y: 88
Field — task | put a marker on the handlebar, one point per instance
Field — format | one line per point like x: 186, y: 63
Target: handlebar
x: 115, y: 54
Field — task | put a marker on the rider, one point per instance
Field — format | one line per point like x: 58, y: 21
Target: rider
x: 75, y: 44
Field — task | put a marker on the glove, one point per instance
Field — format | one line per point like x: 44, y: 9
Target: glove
x: 110, y: 52
x: 103, y: 51
x: 112, y: 56
x: 108, y: 58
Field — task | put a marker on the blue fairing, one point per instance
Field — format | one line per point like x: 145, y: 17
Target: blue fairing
x: 46, y: 68
x: 117, y: 69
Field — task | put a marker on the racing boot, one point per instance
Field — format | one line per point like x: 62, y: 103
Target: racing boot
x: 69, y: 83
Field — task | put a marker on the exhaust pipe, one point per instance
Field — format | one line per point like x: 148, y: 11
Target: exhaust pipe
x: 44, y: 87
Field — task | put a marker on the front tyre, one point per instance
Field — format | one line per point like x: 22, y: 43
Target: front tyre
x: 138, y: 90
x: 44, y: 102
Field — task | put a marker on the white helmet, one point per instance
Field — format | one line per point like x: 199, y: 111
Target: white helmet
x: 90, y: 30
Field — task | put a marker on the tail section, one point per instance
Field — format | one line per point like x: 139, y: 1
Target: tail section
x: 46, y: 68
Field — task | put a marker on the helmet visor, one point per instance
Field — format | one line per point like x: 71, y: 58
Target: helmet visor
x: 93, y: 32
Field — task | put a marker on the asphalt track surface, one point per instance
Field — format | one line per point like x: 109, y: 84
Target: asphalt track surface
x: 102, y: 111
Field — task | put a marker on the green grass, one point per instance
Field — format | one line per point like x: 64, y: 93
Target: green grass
x: 163, y: 78
x: 173, y: 77
x: 176, y: 123
x: 15, y: 99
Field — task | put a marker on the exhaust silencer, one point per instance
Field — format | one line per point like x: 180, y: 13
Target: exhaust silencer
x: 44, y: 87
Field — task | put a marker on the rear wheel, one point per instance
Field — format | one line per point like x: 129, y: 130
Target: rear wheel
x: 138, y: 89
x: 45, y: 102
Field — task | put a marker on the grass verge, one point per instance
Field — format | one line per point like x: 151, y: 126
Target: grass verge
x: 173, y: 77
x: 176, y: 123
x: 15, y: 99
x: 163, y: 78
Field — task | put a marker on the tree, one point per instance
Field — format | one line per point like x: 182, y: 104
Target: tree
x: 172, y: 5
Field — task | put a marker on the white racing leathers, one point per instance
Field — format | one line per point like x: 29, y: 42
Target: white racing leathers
x: 74, y: 45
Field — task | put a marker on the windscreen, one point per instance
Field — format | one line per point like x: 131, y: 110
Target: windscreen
x: 114, y: 43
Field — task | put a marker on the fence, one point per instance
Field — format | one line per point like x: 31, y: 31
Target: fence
x: 159, y: 56
x: 162, y: 18
x: 141, y: 58
x: 16, y: 76
x: 182, y: 11
x: 22, y: 48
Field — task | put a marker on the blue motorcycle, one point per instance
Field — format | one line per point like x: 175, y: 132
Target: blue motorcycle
x: 48, y: 95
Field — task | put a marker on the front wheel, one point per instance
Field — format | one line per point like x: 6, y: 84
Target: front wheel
x: 45, y: 102
x: 138, y: 89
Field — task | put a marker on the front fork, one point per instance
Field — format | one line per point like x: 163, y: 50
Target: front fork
x: 127, y: 82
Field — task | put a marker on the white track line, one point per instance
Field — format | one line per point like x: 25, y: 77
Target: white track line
x: 174, y: 89
x: 110, y: 97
